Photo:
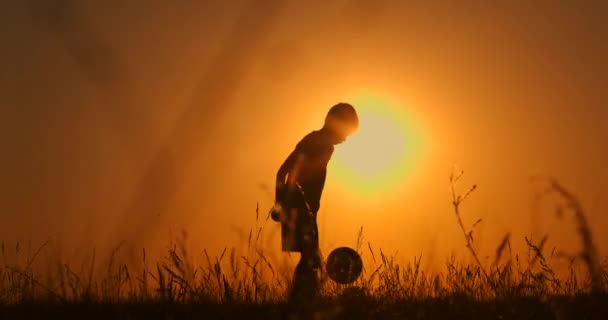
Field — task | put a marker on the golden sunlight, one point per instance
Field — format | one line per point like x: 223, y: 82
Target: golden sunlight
x: 378, y: 157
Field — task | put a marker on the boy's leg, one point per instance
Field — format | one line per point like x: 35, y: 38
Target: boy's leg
x: 305, y: 283
x: 306, y: 276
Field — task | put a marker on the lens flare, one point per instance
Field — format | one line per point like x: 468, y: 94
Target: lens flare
x: 381, y: 155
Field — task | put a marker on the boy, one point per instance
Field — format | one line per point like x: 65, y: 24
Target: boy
x: 299, y: 185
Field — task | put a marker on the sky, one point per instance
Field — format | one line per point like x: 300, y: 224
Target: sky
x: 133, y: 121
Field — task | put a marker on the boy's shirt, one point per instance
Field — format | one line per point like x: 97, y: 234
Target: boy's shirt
x: 307, y: 166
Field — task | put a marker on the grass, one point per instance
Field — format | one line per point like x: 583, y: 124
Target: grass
x: 235, y: 286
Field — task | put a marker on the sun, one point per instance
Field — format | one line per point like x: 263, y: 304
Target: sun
x: 380, y: 155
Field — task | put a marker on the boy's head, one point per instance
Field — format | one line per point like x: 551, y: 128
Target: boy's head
x: 341, y: 121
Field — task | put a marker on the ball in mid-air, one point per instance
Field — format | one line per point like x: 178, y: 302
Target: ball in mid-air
x: 344, y: 265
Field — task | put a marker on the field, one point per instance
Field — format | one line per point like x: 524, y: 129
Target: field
x: 250, y: 286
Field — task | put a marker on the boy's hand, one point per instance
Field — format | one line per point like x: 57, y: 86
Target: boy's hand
x: 275, y: 212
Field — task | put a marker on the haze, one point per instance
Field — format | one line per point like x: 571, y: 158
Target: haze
x: 136, y: 120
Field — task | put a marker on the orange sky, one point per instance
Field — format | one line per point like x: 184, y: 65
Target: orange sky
x: 135, y: 121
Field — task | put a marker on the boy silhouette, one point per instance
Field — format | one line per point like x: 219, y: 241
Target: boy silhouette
x: 299, y: 185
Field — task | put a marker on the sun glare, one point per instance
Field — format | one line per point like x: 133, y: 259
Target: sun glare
x: 380, y: 155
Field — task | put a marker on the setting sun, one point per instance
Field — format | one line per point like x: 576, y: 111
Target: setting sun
x: 381, y: 153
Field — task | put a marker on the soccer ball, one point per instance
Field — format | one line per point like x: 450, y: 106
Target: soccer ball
x: 344, y: 265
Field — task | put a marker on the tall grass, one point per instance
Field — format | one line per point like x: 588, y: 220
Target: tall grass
x: 250, y: 278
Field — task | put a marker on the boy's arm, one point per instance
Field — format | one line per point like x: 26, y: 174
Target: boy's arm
x: 314, y: 201
x: 284, y: 171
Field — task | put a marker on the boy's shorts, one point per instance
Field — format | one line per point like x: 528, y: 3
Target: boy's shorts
x: 299, y: 231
